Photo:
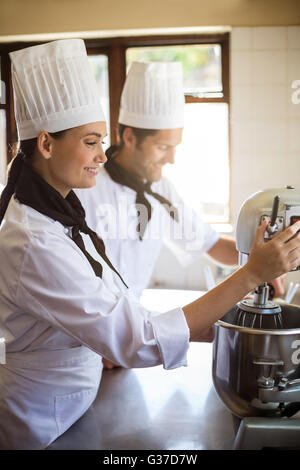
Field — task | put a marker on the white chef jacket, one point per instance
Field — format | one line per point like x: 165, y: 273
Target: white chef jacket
x: 111, y: 212
x: 58, y: 319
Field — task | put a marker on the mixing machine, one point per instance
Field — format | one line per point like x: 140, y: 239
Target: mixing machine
x: 256, y: 359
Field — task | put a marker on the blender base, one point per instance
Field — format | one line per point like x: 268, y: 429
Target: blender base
x: 262, y: 433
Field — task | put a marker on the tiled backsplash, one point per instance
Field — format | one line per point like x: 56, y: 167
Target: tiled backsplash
x: 264, y: 128
x: 265, y: 123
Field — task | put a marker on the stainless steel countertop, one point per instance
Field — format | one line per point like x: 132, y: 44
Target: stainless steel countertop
x: 153, y: 408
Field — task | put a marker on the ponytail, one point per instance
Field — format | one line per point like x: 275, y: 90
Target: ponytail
x: 25, y: 152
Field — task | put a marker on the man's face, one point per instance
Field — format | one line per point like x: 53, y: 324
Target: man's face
x: 149, y: 156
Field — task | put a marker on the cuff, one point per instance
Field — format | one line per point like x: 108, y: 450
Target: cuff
x: 172, y: 337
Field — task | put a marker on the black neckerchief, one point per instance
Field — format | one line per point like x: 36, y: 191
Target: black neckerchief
x: 122, y: 176
x: 34, y: 191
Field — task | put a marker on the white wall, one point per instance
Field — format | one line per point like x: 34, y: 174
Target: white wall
x: 264, y: 127
x: 265, y: 124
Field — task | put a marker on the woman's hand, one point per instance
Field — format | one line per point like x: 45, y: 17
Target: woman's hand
x: 269, y: 260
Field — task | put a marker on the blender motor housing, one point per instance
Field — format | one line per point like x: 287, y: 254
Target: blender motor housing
x: 259, y: 207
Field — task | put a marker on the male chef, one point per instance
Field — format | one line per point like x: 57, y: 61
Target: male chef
x: 133, y: 207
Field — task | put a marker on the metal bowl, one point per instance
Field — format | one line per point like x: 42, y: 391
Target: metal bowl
x: 257, y: 372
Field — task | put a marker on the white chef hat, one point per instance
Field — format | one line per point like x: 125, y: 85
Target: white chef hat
x: 54, y: 88
x: 152, y: 96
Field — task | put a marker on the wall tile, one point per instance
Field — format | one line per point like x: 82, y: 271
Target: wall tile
x: 269, y: 67
x: 242, y: 102
x: 294, y: 136
x: 240, y: 192
x: 291, y: 165
x: 260, y: 171
x: 293, y: 65
x: 293, y: 37
x: 266, y: 101
x: 258, y: 136
x: 269, y: 169
x: 241, y: 68
x: 242, y: 137
x: 241, y: 39
x: 270, y: 136
x: 270, y: 102
x: 293, y: 97
x: 270, y: 38
x: 293, y: 74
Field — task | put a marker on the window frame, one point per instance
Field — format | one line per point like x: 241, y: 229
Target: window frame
x: 116, y: 50
x: 6, y: 106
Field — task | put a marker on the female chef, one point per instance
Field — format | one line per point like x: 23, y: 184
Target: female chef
x: 62, y: 303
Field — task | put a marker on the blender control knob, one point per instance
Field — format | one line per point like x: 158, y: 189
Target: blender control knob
x: 272, y: 227
x: 290, y: 187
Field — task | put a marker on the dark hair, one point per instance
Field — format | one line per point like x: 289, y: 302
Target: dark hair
x: 25, y: 152
x: 140, y: 135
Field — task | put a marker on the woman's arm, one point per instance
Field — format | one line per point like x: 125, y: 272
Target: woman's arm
x: 266, y: 262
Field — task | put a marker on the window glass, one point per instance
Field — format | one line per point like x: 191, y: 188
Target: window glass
x: 201, y: 64
x: 201, y: 170
x: 99, y: 65
x: 3, y: 155
x: 2, y: 88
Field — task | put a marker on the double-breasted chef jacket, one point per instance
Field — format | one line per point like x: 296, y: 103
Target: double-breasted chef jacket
x: 111, y: 212
x: 58, y: 318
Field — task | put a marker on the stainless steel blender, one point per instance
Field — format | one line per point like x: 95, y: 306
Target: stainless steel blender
x: 256, y: 358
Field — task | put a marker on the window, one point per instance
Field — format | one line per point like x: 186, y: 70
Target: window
x: 99, y: 65
x: 201, y: 64
x: 201, y: 172
x: 3, y: 155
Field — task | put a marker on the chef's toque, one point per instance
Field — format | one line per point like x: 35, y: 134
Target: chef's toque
x: 152, y: 96
x: 54, y: 88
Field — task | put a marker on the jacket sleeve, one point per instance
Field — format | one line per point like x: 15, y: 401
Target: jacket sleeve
x: 58, y: 285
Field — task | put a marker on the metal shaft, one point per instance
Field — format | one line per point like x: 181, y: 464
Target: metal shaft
x: 261, y: 295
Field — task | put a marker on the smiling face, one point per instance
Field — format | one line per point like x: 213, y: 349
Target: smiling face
x: 147, y: 158
x: 72, y: 160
